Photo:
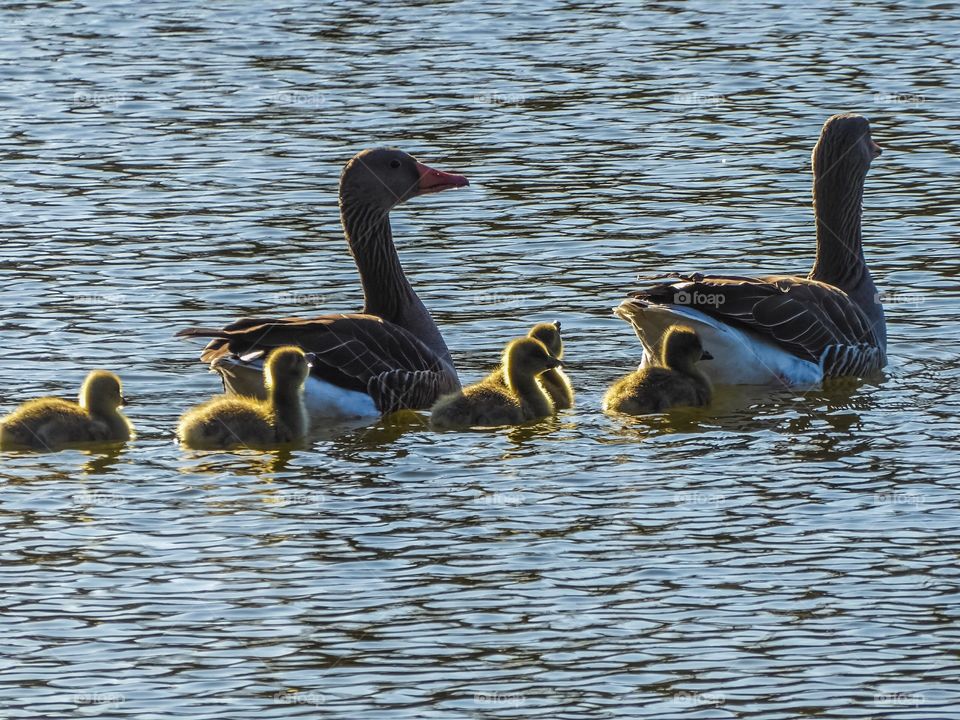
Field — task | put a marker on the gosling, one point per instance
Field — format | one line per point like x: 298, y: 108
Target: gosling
x: 554, y: 381
x: 677, y: 382
x: 510, y: 395
x: 52, y: 423
x: 233, y: 421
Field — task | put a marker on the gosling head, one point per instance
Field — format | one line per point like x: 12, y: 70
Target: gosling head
x: 845, y: 148
x: 385, y: 177
x: 529, y: 357
x: 549, y: 335
x: 682, y: 348
x: 286, y: 367
x: 101, y: 393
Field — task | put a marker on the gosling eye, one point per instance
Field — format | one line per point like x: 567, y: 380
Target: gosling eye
x: 394, y: 163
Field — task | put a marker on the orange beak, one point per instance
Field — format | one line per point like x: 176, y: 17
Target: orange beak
x: 432, y: 181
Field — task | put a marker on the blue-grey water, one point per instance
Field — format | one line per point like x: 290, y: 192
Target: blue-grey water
x: 777, y: 555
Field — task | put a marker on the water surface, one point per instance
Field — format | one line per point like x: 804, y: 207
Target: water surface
x: 780, y: 554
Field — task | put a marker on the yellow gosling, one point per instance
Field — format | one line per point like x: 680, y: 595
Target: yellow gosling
x: 235, y: 421
x: 52, y: 423
x: 554, y: 381
x: 492, y: 401
x: 654, y: 389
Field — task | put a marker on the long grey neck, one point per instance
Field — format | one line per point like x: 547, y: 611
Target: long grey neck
x: 386, y: 291
x: 838, y: 207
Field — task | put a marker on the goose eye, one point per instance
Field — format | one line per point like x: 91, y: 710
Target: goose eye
x: 394, y: 163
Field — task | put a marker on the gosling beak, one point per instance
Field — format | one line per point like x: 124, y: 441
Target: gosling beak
x: 706, y: 356
x: 432, y: 181
x: 556, y: 324
x: 556, y: 363
x: 125, y: 400
x: 877, y: 150
x: 311, y: 359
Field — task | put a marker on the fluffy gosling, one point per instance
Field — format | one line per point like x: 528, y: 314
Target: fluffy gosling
x: 677, y: 382
x: 233, y: 421
x: 554, y: 381
x: 52, y: 423
x: 510, y: 395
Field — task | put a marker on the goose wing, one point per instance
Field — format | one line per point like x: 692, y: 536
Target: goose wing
x: 353, y: 351
x: 810, y: 319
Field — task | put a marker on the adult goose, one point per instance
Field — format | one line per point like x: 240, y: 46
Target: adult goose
x: 782, y: 328
x: 389, y: 357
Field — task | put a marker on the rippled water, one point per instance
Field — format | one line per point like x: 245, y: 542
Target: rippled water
x: 777, y: 555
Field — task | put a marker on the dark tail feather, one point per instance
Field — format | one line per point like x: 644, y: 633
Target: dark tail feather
x: 216, y: 348
x: 246, y: 323
x: 200, y: 332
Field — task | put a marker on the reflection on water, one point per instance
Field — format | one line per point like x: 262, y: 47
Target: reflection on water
x: 241, y: 462
x: 779, y: 553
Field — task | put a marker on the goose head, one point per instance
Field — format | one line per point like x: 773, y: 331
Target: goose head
x: 845, y: 148
x: 385, y: 177
x: 549, y: 334
x: 682, y: 349
x: 101, y: 393
x: 528, y: 357
x: 287, y: 367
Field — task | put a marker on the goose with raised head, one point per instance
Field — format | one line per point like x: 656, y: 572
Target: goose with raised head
x: 234, y: 421
x: 389, y: 357
x: 783, y: 329
x: 676, y: 381
x: 554, y: 381
x: 511, y: 395
x: 53, y: 423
